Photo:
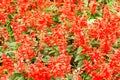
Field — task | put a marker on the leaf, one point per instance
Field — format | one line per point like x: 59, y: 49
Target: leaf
x: 17, y: 76
x: 69, y: 47
x: 52, y: 78
x: 86, y: 2
x: 58, y: 78
x: 80, y: 64
x: 10, y: 54
x: 116, y: 45
x: 85, y: 76
x: 10, y: 31
x: 8, y: 27
x: 90, y: 21
x: 79, y: 13
x: 99, y: 1
x: 6, y: 71
x: 69, y: 76
x: 31, y: 79
x: 94, y: 43
x: 14, y: 2
x: 87, y: 57
x: 51, y: 50
x: 13, y: 46
x: 56, y: 18
x: 118, y: 40
x: 77, y: 60
x: 12, y: 39
x: 79, y: 50
x: 118, y: 75
x: 45, y: 58
x: 16, y: 10
x: 11, y: 16
x: 79, y: 57
x: 33, y: 60
x: 106, y: 1
x: 71, y: 51
x: 51, y: 8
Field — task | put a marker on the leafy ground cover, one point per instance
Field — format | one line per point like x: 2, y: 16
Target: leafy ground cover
x: 59, y: 39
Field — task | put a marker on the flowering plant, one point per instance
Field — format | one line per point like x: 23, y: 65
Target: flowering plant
x: 59, y: 39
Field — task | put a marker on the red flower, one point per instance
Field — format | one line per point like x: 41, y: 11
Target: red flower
x: 88, y: 66
x: 105, y: 46
x: 8, y: 64
x: 96, y: 76
x: 93, y: 6
x: 39, y: 72
x: 25, y: 52
x: 60, y: 66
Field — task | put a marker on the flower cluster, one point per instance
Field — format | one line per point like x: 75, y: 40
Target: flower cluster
x: 59, y: 39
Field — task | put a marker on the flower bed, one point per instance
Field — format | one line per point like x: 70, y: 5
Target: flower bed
x: 59, y: 39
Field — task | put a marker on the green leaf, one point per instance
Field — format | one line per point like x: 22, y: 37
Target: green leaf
x: 118, y: 75
x: 1, y: 40
x: 17, y: 76
x: 51, y: 51
x: 6, y: 71
x: 16, y: 10
x: 77, y: 60
x: 79, y: 57
x: 1, y: 50
x: 90, y: 21
x: 10, y: 31
x: 71, y: 50
x: 8, y: 27
x: 11, y: 16
x: 87, y: 57
x: 51, y: 8
x: 56, y: 18
x: 79, y: 13
x: 106, y: 1
x: 52, y: 78
x: 80, y: 64
x: 70, y: 39
x: 10, y: 54
x: 86, y: 2
x: 69, y: 76
x: 12, y: 39
x: 94, y: 43
x: 14, y: 2
x: 99, y: 1
x: 79, y: 50
x: 69, y: 47
x: 33, y: 60
x: 118, y: 40
x: 31, y: 79
x: 13, y: 46
x: 58, y: 78
x: 116, y: 45
x: 45, y: 58
x: 85, y: 76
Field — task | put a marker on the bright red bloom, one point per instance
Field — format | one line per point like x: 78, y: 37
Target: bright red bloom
x: 3, y: 17
x: 96, y: 76
x: 5, y: 34
x: 39, y: 72
x: 88, y: 66
x: 8, y: 64
x: 61, y: 66
x: 25, y: 52
x: 93, y: 7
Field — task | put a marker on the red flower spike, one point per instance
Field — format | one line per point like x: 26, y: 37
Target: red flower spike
x: 93, y: 7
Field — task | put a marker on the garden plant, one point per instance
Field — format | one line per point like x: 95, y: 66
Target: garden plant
x: 59, y: 39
